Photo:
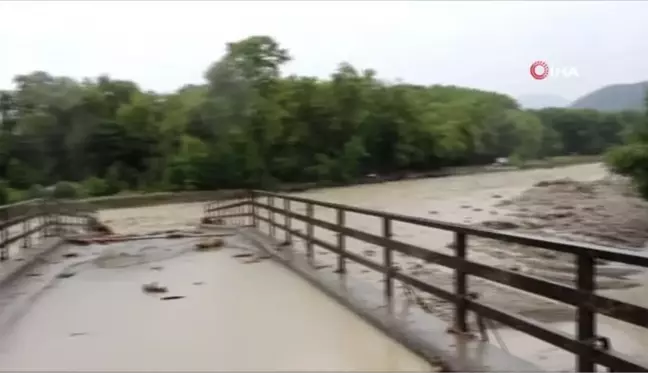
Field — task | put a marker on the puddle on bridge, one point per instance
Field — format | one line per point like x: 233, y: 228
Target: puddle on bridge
x: 233, y: 316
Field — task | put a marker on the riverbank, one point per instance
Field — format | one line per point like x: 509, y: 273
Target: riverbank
x: 561, y: 161
x: 127, y: 200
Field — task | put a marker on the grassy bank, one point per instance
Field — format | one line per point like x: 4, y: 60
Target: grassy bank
x: 135, y: 199
x: 141, y: 199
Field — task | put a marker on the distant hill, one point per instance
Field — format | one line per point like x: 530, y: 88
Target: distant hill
x: 614, y: 97
x: 541, y: 101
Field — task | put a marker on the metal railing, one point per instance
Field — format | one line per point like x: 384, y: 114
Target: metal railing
x: 38, y: 219
x: 589, y: 348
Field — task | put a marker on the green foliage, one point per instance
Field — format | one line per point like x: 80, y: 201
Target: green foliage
x: 631, y: 159
x: 4, y: 193
x: 67, y: 190
x: 96, y: 187
x: 250, y: 126
x: 36, y: 191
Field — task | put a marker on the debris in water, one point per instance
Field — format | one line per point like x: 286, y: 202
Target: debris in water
x: 70, y: 255
x: 154, y: 287
x: 369, y: 252
x: 157, y: 268
x: 242, y: 255
x: 33, y: 275
x: 172, y: 297
x: 212, y: 220
x: 197, y: 283
x: 499, y: 225
x: 94, y: 225
x: 78, y: 334
x: 78, y: 241
x: 252, y: 261
x: 210, y: 244
x: 66, y: 275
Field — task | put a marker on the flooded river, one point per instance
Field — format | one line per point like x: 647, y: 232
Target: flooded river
x: 315, y: 335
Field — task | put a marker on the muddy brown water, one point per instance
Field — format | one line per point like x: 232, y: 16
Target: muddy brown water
x: 464, y: 199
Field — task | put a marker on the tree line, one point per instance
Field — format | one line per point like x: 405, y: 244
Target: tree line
x: 250, y: 126
x: 631, y: 157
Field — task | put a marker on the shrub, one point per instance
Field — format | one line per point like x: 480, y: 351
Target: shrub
x: 36, y: 191
x: 66, y: 190
x: 96, y: 187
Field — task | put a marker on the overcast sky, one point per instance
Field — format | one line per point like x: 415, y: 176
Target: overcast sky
x: 486, y: 44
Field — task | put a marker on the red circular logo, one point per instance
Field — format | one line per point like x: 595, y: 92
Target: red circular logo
x: 539, y: 65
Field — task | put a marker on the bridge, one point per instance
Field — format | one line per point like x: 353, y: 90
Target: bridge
x: 279, y: 312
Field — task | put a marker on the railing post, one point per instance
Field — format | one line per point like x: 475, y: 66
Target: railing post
x: 217, y: 213
x: 272, y: 216
x: 56, y: 219
x: 388, y: 258
x: 585, y: 316
x: 309, y: 232
x: 287, y: 220
x: 252, y: 198
x: 240, y: 210
x: 42, y: 219
x: 27, y: 238
x: 4, y: 248
x: 341, y: 242
x: 460, y: 284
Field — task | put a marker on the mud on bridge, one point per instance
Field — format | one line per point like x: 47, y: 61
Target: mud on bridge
x: 205, y: 298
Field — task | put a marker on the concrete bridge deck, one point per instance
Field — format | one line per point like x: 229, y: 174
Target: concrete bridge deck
x: 83, y: 308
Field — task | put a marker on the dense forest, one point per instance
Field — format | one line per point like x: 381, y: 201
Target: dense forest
x: 250, y: 126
